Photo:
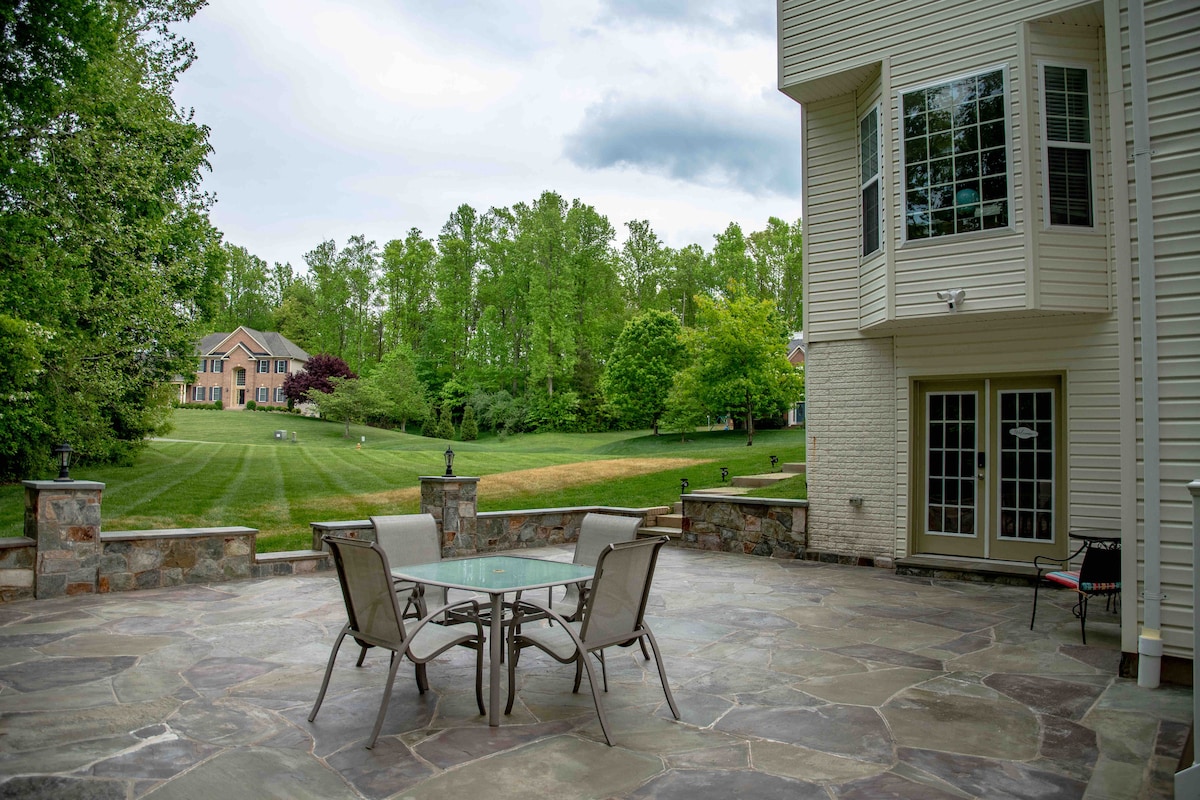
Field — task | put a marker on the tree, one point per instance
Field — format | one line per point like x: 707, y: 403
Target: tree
x: 642, y: 265
x: 351, y: 401
x: 403, y: 394
x: 642, y: 367
x: 739, y: 358
x: 107, y: 260
x: 445, y: 422
x: 316, y: 377
x: 247, y: 288
x: 405, y: 284
x: 779, y: 272
x: 469, y: 430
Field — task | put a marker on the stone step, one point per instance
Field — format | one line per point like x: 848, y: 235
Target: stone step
x: 291, y: 562
x: 765, y: 479
x: 656, y: 530
x: 795, y: 467
x: 669, y: 521
x: 730, y: 491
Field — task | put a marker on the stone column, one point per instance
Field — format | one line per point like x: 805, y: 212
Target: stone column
x: 452, y: 502
x: 63, y: 517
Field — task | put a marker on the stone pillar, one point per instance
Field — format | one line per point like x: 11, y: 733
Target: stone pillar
x: 452, y: 502
x: 63, y: 517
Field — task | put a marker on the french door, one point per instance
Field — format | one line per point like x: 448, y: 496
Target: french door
x: 989, y: 468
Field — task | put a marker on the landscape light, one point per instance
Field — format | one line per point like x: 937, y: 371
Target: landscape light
x: 774, y: 461
x: 62, y: 454
x: 724, y: 474
x: 449, y: 463
x: 683, y: 484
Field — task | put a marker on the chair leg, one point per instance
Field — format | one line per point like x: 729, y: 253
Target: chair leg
x: 1083, y: 598
x: 603, y: 669
x: 328, y: 672
x: 513, y: 650
x: 662, y: 673
x: 422, y: 679
x: 645, y: 652
x: 362, y: 654
x: 479, y: 677
x: 587, y: 664
x: 578, y: 673
x: 387, y: 695
x: 1033, y: 616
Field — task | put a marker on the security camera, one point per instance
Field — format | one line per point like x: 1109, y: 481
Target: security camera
x: 953, y: 298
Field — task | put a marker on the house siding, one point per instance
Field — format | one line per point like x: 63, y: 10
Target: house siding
x: 1040, y: 299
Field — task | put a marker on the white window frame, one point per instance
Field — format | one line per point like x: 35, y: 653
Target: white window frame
x: 218, y: 365
x: 1090, y: 147
x: 1010, y: 224
x: 281, y: 365
x: 260, y: 364
x: 279, y: 396
x: 262, y: 395
x: 197, y: 394
x: 865, y: 182
x: 215, y: 393
x: 203, y: 365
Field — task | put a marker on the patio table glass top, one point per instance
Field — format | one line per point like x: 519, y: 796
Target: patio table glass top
x: 495, y: 574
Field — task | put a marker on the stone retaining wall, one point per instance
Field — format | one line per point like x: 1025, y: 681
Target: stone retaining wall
x: 151, y: 559
x: 760, y: 526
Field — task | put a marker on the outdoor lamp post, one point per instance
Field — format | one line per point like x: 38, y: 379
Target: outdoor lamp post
x: 449, y: 463
x: 774, y: 461
x: 62, y: 454
x: 724, y: 474
x: 683, y: 484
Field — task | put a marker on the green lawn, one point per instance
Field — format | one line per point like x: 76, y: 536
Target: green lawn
x: 227, y: 468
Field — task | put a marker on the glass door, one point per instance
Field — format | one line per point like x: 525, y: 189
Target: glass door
x: 988, y: 468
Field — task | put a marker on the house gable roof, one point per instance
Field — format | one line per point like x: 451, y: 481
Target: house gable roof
x: 267, y: 344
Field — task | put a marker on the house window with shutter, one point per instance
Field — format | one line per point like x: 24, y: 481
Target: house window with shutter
x: 1067, y: 145
x: 872, y: 205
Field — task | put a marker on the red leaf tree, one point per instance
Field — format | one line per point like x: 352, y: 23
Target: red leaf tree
x: 315, y: 377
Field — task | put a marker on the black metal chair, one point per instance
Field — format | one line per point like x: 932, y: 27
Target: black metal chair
x: 1099, y: 575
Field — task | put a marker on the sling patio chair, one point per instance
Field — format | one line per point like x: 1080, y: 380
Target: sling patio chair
x: 613, y: 615
x: 411, y: 539
x: 375, y: 620
x: 1098, y: 576
x: 596, y: 532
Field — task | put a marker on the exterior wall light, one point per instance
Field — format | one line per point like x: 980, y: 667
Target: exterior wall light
x: 449, y: 454
x: 62, y: 454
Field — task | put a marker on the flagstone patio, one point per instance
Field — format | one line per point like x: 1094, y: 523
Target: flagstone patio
x: 795, y: 679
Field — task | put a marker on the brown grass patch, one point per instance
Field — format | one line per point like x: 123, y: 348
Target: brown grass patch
x: 548, y: 479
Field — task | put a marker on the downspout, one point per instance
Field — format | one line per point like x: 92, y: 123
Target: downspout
x: 1150, y: 644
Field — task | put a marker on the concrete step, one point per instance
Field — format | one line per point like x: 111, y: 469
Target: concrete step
x: 1020, y: 573
x: 291, y: 562
x: 795, y: 467
x: 669, y: 521
x: 727, y: 490
x: 765, y: 479
x: 656, y: 530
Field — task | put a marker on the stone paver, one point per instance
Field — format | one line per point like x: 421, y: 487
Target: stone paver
x: 794, y: 679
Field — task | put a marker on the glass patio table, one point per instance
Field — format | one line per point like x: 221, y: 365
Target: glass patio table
x: 495, y: 576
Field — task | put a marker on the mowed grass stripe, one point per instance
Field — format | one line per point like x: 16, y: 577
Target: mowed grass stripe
x: 151, y: 468
x: 187, y: 466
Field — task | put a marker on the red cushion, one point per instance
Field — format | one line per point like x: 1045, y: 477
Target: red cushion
x: 1071, y: 581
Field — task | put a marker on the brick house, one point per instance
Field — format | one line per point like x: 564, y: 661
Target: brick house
x: 238, y: 367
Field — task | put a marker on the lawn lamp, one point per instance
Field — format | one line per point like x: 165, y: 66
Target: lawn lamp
x: 774, y: 461
x: 449, y: 454
x: 62, y: 454
x: 724, y: 474
x: 683, y: 484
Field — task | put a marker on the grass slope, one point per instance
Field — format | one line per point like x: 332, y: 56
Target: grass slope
x: 227, y: 468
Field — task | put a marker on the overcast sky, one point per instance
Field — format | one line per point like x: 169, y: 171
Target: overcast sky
x: 331, y: 119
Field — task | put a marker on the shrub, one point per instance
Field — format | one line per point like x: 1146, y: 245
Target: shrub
x: 469, y: 430
x: 251, y: 405
x: 218, y: 405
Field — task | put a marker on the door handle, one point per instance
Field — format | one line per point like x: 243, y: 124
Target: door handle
x: 981, y: 463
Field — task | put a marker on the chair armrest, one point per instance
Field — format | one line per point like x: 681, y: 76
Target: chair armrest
x: 432, y: 616
x: 540, y: 611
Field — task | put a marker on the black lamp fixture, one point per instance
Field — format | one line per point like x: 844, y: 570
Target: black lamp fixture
x: 683, y: 484
x: 774, y: 461
x: 62, y: 454
x: 724, y: 474
x: 449, y: 454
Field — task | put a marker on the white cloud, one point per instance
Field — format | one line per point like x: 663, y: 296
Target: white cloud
x: 333, y: 119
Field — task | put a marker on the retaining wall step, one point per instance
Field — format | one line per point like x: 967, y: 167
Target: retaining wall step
x: 657, y: 530
x: 765, y: 479
x: 795, y: 467
x: 669, y: 521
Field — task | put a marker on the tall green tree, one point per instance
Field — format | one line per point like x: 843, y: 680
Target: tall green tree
x: 739, y: 358
x: 542, y: 242
x: 248, y: 292
x: 779, y: 269
x: 454, y: 311
x: 352, y: 400
x: 642, y: 367
x: 106, y: 253
x: 403, y: 395
x: 731, y: 258
x: 642, y: 265
x: 405, y: 285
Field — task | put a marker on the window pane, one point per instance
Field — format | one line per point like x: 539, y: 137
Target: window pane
x: 870, y: 218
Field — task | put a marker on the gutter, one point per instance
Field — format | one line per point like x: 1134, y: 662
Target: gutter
x: 1150, y: 646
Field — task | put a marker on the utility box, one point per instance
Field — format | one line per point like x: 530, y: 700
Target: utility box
x: 280, y: 434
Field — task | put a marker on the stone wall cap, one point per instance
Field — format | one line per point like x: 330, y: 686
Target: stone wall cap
x: 340, y: 525
x: 65, y: 486
x: 178, y: 533
x: 451, y: 479
x: 742, y: 500
x: 568, y: 510
x: 12, y: 542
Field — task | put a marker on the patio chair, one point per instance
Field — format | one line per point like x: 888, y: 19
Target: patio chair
x: 411, y: 539
x: 596, y: 532
x: 1098, y: 576
x: 613, y: 615
x: 375, y: 620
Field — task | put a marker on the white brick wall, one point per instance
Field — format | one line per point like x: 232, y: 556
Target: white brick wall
x: 851, y: 404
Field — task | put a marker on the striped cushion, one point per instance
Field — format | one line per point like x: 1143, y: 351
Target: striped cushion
x: 1071, y: 580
